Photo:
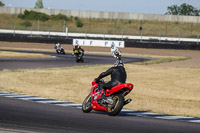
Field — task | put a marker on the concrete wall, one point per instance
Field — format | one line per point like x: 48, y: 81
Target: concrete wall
x: 106, y: 15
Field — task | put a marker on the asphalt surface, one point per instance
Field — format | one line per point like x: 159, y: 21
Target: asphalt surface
x: 60, y: 60
x: 26, y: 116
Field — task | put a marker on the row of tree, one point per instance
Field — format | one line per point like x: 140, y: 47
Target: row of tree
x: 2, y: 4
x: 183, y: 9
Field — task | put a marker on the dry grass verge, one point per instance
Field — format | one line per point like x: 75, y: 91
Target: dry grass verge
x: 163, y: 59
x: 106, y: 26
x: 163, y: 90
x: 22, y: 55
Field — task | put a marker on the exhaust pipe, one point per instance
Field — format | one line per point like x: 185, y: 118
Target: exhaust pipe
x: 127, y: 101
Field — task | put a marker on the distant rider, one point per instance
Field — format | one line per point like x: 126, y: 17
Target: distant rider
x: 58, y: 46
x: 79, y: 48
x: 118, y: 75
x: 115, y: 52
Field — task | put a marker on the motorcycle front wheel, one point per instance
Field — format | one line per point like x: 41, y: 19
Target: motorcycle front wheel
x: 77, y: 60
x: 82, y: 59
x: 86, y: 106
x: 116, y: 107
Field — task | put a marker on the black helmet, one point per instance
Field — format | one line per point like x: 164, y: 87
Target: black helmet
x: 119, y: 63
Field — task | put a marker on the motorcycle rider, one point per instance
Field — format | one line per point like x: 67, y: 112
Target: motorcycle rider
x: 58, y: 46
x: 115, y: 52
x: 59, y: 49
x: 118, y: 75
x: 79, y: 48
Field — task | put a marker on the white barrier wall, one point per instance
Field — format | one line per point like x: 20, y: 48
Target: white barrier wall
x: 100, y: 43
x: 97, y: 35
x: 106, y: 15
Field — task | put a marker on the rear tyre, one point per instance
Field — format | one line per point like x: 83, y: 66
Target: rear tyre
x: 86, y: 106
x: 118, y: 105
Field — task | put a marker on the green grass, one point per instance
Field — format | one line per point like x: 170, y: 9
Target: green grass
x: 107, y: 26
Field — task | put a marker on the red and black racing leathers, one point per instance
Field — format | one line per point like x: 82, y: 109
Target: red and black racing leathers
x: 118, y: 75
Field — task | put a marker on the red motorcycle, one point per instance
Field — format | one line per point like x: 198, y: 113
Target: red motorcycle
x: 112, y: 102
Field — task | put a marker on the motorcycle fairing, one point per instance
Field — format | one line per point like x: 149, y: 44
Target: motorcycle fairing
x: 125, y: 87
x: 97, y: 107
x: 96, y: 94
x: 76, y: 51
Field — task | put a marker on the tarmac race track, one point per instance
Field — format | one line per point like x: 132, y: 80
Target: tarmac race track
x: 20, y: 116
x: 60, y: 60
x: 26, y: 116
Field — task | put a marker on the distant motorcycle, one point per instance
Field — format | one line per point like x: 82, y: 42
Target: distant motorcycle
x: 117, y: 55
x: 78, y: 55
x: 115, y: 52
x: 113, y: 101
x: 59, y: 49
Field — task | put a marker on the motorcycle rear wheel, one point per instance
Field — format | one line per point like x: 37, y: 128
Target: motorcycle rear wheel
x: 86, y: 106
x: 115, y: 109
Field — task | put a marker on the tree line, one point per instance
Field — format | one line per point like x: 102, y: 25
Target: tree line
x: 1, y: 4
x: 183, y: 9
